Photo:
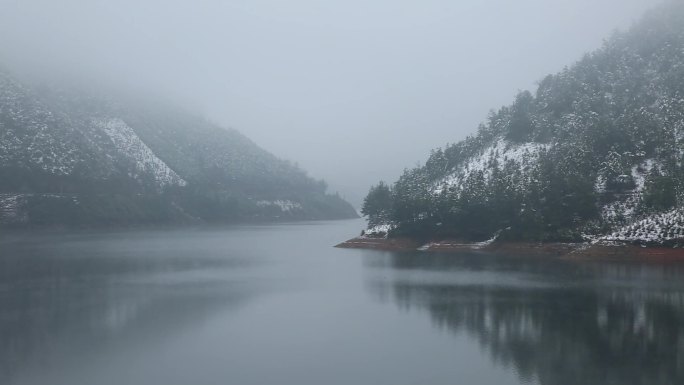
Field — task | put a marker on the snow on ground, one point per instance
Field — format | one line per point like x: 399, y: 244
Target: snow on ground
x: 600, y: 184
x: 623, y: 210
x: 501, y: 152
x: 471, y: 246
x: 641, y: 171
x: 490, y: 240
x: 36, y: 138
x: 379, y: 230
x: 656, y: 228
x: 284, y: 205
x: 130, y: 144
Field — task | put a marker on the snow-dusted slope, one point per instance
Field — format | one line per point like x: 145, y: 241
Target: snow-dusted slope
x: 282, y: 205
x: 594, y: 149
x: 130, y: 145
x: 522, y: 155
x: 657, y: 229
x: 624, y: 209
x: 69, y: 157
x: 35, y: 134
x: 620, y: 213
x: 31, y: 133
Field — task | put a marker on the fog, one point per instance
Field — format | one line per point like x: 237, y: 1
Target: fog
x: 354, y: 91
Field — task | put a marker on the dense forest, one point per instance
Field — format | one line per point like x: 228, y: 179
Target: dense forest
x: 595, y: 152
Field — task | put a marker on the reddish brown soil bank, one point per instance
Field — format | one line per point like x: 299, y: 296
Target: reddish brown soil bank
x: 573, y: 251
x: 395, y: 244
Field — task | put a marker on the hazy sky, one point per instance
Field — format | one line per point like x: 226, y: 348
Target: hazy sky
x: 352, y: 90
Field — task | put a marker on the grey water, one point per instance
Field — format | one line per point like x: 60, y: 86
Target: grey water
x: 277, y: 304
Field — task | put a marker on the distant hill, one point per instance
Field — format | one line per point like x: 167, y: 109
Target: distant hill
x: 596, y: 153
x: 69, y: 158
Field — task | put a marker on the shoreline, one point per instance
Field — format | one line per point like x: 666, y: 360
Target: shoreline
x: 567, y: 251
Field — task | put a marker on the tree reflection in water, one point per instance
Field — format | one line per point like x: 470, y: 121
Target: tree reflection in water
x: 556, y: 322
x: 63, y: 301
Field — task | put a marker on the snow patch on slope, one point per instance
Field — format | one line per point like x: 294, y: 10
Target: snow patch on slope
x: 641, y: 171
x: 379, y: 230
x: 656, y: 228
x: 623, y: 210
x: 127, y: 141
x: 501, y: 152
x: 35, y: 141
x: 283, y: 205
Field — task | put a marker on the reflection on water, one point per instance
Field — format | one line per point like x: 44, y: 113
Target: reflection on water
x: 555, y: 322
x: 278, y: 305
x: 63, y: 298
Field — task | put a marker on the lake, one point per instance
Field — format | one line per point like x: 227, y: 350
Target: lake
x: 277, y: 304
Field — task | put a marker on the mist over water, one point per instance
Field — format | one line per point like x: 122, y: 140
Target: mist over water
x: 277, y: 304
x: 116, y: 117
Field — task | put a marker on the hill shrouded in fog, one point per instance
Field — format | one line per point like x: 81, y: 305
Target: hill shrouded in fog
x: 68, y: 158
x: 595, y: 153
x: 331, y: 85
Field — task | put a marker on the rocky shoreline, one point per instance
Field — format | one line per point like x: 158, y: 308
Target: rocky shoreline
x: 574, y: 251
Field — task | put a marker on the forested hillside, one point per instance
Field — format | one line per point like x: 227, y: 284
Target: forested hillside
x: 594, y: 153
x: 69, y: 158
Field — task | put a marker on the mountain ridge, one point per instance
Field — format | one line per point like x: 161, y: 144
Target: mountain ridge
x: 594, y: 152
x: 71, y: 158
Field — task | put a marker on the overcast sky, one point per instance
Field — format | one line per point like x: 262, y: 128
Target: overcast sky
x: 352, y: 90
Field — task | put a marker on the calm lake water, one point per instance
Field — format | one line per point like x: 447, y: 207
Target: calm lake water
x: 278, y: 305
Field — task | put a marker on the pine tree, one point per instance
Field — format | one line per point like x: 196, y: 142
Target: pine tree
x: 377, y: 205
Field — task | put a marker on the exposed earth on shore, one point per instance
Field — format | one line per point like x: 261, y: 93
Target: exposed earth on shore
x: 576, y: 251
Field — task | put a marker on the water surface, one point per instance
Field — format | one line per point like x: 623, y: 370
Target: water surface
x: 278, y: 305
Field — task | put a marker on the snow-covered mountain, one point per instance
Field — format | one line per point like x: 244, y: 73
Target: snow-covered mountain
x: 67, y: 157
x: 597, y: 152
